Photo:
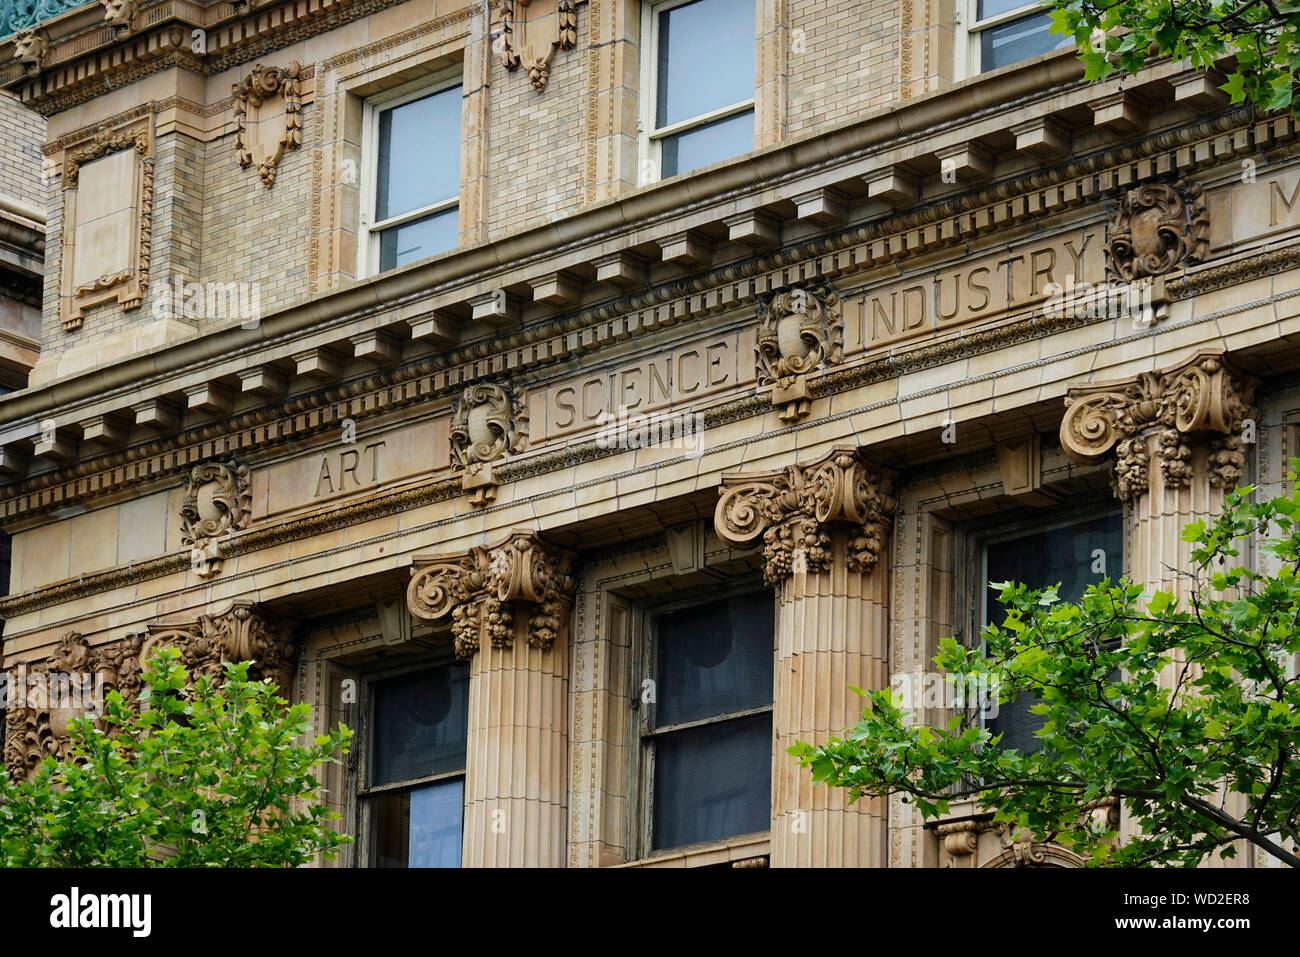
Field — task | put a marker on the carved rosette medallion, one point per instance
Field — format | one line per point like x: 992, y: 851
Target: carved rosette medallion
x: 523, y: 585
x: 1202, y: 397
x: 800, y: 332
x: 525, y: 38
x: 488, y: 423
x: 793, y: 512
x: 217, y: 503
x: 251, y: 94
x: 1158, y: 228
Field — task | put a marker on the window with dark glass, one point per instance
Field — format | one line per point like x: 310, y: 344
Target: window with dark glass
x: 1008, y: 31
x: 1072, y: 554
x: 703, y: 83
x: 707, y: 733
x: 416, y: 179
x: 415, y: 793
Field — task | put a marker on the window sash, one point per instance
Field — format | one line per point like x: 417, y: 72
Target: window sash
x: 368, y: 230
x: 653, y: 135
x: 998, y: 19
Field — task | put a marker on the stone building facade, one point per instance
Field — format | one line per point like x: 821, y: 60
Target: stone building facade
x: 576, y: 397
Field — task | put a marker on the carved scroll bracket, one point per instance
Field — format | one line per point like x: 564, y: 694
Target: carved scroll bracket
x: 793, y: 512
x: 1158, y: 415
x: 523, y: 585
x: 488, y: 423
x: 800, y: 332
x: 218, y: 502
x: 1157, y: 228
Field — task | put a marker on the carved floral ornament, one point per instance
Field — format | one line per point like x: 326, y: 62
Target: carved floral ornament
x: 263, y: 84
x: 794, y: 511
x: 218, y: 502
x: 1202, y: 397
x: 76, y: 677
x: 1158, y: 228
x: 523, y: 585
x: 800, y: 332
x: 489, y: 422
x: 513, y: 45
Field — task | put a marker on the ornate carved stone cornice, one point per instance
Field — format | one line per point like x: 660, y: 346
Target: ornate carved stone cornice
x: 793, y: 511
x: 72, y: 681
x: 1203, y: 397
x: 801, y: 331
x: 524, y: 585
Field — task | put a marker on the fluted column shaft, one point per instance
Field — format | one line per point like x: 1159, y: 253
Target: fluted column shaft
x: 516, y: 758
x: 831, y: 634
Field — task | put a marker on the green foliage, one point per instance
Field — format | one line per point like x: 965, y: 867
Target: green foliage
x: 202, y: 775
x: 1263, y: 37
x: 1145, y: 698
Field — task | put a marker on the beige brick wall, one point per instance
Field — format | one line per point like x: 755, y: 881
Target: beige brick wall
x: 255, y: 234
x: 843, y: 60
x: 22, y: 134
x: 536, y: 149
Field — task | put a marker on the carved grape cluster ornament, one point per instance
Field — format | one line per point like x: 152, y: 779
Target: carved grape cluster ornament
x: 1158, y: 228
x: 488, y: 423
x: 263, y: 84
x: 795, y: 511
x: 492, y: 594
x: 800, y: 332
x: 1157, y: 416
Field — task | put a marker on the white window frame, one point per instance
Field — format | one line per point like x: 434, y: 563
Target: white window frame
x: 968, y: 51
x: 649, y: 139
x: 367, y: 229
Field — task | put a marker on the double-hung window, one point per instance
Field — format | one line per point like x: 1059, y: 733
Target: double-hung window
x: 413, y: 804
x: 1001, y: 32
x: 411, y: 203
x: 698, y: 80
x: 1076, y: 554
x: 706, y: 732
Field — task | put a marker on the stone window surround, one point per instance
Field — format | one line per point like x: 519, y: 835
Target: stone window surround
x: 640, y: 840
x: 128, y: 286
x: 339, y: 126
x: 367, y: 232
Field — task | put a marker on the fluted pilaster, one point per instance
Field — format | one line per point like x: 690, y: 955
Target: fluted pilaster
x: 822, y: 528
x: 508, y: 607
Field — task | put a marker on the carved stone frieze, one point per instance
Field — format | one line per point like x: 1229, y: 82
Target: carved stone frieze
x: 800, y: 332
x: 793, y: 512
x: 1202, y: 397
x: 514, y: 47
x: 489, y: 422
x: 491, y: 594
x: 74, y: 679
x: 263, y: 84
x: 1158, y: 228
